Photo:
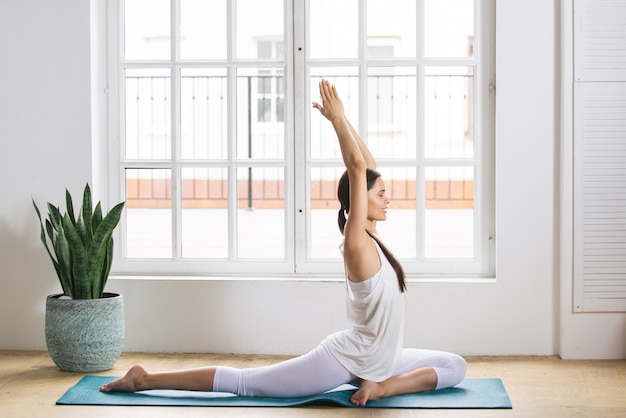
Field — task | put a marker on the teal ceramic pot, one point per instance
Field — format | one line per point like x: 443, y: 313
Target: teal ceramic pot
x: 85, y: 335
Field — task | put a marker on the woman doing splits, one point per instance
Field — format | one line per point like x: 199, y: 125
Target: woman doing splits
x: 369, y: 353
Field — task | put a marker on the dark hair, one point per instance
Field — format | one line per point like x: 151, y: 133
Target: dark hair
x: 343, y: 194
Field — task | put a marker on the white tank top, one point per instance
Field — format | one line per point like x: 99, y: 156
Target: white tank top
x: 372, y: 347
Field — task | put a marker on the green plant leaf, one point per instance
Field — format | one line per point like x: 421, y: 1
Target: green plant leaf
x: 51, y: 232
x: 86, y: 211
x: 99, y: 245
x: 81, y: 249
x: 97, y: 261
x: 106, y: 268
x: 97, y: 217
x: 82, y: 231
x: 69, y: 206
x: 55, y: 216
x: 65, y: 269
x: 80, y: 280
x: 42, y: 234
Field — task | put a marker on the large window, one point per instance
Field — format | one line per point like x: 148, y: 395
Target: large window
x: 226, y: 168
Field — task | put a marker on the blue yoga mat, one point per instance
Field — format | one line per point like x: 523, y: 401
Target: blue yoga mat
x: 471, y: 393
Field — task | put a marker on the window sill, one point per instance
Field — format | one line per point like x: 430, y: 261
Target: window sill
x: 309, y: 279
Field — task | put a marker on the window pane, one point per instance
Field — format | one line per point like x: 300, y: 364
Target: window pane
x: 391, y: 28
x: 259, y: 22
x: 325, y: 234
x: 260, y: 115
x: 147, y: 39
x: 204, y: 107
x: 261, y: 213
x: 392, y: 111
x: 449, y: 222
x: 149, y: 213
x: 148, y: 114
x: 203, y: 29
x: 449, y: 28
x: 399, y: 231
x: 324, y: 142
x: 207, y: 142
x: 449, y: 112
x: 204, y: 213
x: 334, y: 29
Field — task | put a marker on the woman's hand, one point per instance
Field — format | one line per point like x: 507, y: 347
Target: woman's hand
x: 331, y: 107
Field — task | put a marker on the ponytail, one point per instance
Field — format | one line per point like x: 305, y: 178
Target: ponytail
x: 343, y: 194
x: 397, y: 267
x: 341, y: 219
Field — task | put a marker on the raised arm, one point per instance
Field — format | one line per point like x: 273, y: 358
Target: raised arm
x: 350, y: 142
x: 329, y: 111
x: 369, y: 158
x: 360, y: 253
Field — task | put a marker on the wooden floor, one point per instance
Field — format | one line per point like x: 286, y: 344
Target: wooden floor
x: 30, y: 384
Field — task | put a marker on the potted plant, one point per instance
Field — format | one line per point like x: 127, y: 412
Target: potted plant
x: 84, y: 324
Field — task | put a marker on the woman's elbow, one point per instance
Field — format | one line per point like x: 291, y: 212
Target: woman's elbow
x: 356, y: 165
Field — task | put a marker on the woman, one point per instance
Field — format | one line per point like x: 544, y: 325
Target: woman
x: 371, y: 351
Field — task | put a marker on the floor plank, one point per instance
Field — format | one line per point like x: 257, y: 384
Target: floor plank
x: 30, y: 384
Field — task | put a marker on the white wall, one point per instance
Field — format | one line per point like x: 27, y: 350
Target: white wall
x: 45, y: 127
x: 583, y: 335
x: 45, y: 136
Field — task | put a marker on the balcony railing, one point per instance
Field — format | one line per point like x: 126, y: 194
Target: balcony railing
x: 260, y: 134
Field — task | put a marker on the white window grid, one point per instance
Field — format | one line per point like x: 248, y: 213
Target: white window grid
x: 298, y: 163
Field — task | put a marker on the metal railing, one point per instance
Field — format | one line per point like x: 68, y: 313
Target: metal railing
x: 263, y: 112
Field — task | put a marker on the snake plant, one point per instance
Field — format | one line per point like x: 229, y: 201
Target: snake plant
x: 83, y: 247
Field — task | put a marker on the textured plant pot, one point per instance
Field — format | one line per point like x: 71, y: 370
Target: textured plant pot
x: 85, y: 335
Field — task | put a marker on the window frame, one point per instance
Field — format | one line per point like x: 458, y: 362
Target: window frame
x: 297, y: 161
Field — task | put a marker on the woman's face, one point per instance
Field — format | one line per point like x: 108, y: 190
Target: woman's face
x: 377, y: 201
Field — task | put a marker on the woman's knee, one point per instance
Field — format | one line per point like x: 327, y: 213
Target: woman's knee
x: 452, y: 373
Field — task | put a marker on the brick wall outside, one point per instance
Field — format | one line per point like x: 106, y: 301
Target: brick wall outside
x: 150, y: 193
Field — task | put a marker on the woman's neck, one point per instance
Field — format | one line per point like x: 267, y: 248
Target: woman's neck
x: 371, y: 227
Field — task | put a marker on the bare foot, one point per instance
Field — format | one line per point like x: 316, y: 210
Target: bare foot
x: 132, y: 382
x: 368, y: 391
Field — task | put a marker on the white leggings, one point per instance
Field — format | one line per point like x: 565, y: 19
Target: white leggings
x: 318, y: 371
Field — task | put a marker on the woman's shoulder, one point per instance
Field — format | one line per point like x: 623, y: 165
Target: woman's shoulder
x: 362, y: 259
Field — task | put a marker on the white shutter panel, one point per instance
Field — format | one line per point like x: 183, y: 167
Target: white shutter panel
x: 600, y: 197
x: 599, y: 40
